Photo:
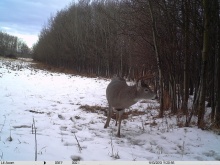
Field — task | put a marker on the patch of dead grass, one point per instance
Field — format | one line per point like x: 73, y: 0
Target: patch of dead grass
x: 98, y: 109
x: 93, y: 109
x: 56, y: 69
x: 42, y: 66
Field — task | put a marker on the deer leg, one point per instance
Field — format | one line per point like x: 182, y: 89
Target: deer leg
x: 109, y: 117
x: 117, y: 115
x: 120, y: 113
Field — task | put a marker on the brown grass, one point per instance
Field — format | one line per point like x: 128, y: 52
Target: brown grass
x: 93, y: 109
x: 42, y: 66
x: 98, y: 109
x: 56, y: 69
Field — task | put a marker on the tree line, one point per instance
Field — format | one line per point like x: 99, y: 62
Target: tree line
x: 12, y: 46
x: 177, y: 40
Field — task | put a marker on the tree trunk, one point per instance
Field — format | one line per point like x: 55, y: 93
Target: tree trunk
x: 186, y: 58
x: 156, y: 47
x: 201, y: 105
x: 217, y: 103
x: 217, y: 106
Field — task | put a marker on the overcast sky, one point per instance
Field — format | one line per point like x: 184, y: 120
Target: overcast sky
x: 25, y: 18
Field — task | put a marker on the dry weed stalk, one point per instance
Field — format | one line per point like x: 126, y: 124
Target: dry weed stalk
x: 1, y: 156
x: 2, y: 125
x: 114, y: 154
x: 80, y: 148
x: 34, y: 130
x: 183, y: 146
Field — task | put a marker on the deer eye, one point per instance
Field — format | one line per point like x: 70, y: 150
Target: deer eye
x: 146, y: 90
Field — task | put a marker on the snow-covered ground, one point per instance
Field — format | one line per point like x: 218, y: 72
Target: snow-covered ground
x: 65, y: 131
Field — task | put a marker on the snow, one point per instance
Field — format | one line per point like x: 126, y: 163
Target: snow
x: 64, y: 130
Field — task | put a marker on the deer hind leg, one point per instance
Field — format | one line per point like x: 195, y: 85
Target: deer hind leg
x: 109, y: 116
x: 120, y: 113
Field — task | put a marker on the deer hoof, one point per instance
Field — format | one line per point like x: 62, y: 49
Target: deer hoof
x: 118, y: 135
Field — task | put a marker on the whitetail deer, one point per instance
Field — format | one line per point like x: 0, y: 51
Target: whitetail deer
x: 121, y: 96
